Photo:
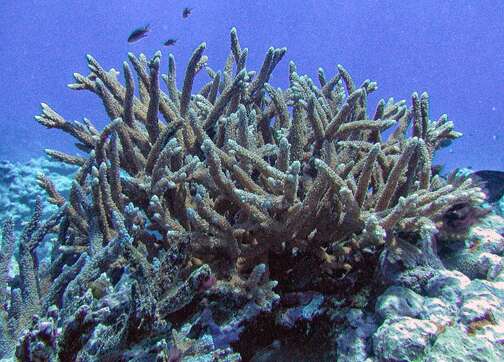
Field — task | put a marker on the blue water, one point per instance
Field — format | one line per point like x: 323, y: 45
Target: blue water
x: 452, y: 49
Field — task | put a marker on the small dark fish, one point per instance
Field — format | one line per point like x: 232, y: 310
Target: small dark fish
x: 186, y: 12
x: 493, y: 183
x: 138, y: 34
x: 170, y: 42
x: 436, y: 169
x: 445, y: 143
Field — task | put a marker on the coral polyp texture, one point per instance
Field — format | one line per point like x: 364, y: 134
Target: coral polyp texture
x: 195, y: 214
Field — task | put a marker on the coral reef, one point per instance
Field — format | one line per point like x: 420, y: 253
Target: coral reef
x: 21, y: 297
x: 199, y: 223
x: 19, y: 187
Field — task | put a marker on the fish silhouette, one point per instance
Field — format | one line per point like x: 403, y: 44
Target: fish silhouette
x: 138, y: 34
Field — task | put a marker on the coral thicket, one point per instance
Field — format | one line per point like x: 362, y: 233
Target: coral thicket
x: 223, y: 205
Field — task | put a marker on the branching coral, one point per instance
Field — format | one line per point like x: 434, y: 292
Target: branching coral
x: 236, y: 178
x: 20, y: 298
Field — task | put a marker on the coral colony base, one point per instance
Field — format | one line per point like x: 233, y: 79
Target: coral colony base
x: 233, y: 223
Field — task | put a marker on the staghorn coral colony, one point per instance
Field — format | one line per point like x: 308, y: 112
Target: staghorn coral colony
x: 217, y: 225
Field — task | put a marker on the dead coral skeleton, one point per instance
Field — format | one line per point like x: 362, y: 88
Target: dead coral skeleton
x: 239, y: 174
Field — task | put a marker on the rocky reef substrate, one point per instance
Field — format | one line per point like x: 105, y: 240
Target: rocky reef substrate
x: 452, y: 313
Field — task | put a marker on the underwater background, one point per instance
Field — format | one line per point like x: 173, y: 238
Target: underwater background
x: 452, y: 49
x: 268, y: 201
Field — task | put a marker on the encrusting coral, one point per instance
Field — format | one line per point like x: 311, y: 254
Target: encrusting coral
x: 231, y: 192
